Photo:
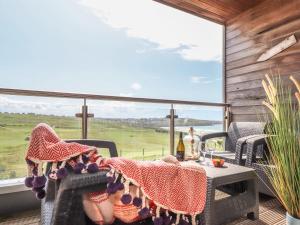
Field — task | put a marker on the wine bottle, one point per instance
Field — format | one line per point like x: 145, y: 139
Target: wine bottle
x: 180, y: 150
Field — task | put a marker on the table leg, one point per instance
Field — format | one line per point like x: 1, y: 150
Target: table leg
x: 253, y: 187
x: 210, y: 201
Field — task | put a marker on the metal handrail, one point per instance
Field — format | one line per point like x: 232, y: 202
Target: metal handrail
x: 84, y: 115
x: 8, y: 91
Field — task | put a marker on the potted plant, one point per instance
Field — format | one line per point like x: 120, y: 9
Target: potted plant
x: 284, y: 145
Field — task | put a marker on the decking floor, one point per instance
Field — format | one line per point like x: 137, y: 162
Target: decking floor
x: 270, y: 213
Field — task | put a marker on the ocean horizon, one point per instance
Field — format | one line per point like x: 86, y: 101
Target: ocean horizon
x: 198, y: 129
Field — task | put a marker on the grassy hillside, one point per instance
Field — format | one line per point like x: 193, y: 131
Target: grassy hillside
x: 131, y: 140
x: 134, y: 140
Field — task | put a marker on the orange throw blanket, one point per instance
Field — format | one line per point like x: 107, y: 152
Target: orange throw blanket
x: 46, y: 146
x: 175, y: 188
x: 179, y: 189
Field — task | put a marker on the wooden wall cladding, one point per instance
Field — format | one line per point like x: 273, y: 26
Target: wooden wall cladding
x: 249, y: 35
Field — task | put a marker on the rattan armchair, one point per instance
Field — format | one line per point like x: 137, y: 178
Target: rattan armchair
x: 235, y: 140
x: 63, y: 202
x: 257, y: 158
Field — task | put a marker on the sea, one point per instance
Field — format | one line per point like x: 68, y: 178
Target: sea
x: 198, y: 129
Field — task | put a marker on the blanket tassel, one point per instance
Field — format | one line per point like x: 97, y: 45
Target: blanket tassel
x: 62, y: 171
x: 167, y: 218
x: 158, y: 220
x: 52, y: 174
x: 137, y: 201
x: 29, y: 178
x: 177, y: 219
x: 126, y: 197
x: 193, y: 219
x: 80, y: 167
x: 144, y: 212
x: 39, y: 182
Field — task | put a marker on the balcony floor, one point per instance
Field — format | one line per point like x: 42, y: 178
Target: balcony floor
x: 270, y: 212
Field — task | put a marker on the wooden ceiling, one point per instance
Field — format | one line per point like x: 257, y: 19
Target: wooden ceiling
x: 218, y: 11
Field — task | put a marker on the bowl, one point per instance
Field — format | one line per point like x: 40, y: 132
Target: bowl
x: 218, y: 162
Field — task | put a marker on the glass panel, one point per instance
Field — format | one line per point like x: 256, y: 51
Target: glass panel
x: 19, y: 115
x: 203, y: 120
x: 139, y: 130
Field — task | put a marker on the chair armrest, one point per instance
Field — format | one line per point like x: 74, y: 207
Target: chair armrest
x: 85, y: 182
x: 252, y: 145
x: 68, y: 200
x: 241, y: 142
x: 239, y: 149
x: 205, y: 137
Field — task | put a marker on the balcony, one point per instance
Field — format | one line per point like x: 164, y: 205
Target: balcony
x: 148, y: 138
x: 259, y: 37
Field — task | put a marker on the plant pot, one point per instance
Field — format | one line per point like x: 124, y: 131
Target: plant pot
x: 290, y: 220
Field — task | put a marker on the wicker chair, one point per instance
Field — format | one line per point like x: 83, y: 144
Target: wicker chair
x: 63, y: 202
x: 235, y: 140
x: 260, y: 163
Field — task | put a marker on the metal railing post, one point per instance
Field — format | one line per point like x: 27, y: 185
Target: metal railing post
x: 143, y: 152
x: 227, y: 118
x: 84, y: 115
x: 172, y: 117
x: 172, y: 130
x: 84, y: 120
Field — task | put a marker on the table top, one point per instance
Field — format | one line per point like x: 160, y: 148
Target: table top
x: 227, y: 170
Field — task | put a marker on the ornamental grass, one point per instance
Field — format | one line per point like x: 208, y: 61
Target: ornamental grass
x: 283, y: 142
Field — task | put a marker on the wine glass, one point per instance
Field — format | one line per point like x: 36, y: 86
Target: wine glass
x: 211, y: 149
x: 203, y: 151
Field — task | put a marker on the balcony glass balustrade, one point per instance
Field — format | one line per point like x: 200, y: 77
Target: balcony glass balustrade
x: 143, y: 129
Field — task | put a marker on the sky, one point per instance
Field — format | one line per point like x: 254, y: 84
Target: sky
x: 137, y: 48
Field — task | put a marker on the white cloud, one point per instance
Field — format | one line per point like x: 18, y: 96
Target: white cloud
x: 196, y: 79
x: 190, y: 36
x: 126, y: 94
x: 208, y: 81
x: 68, y: 107
x: 136, y: 86
x: 217, y: 80
x: 203, y: 80
x: 38, y: 106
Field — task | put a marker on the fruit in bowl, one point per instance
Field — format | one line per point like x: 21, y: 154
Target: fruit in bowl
x: 218, y: 162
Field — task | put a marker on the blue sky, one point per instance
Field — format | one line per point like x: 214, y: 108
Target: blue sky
x: 95, y: 46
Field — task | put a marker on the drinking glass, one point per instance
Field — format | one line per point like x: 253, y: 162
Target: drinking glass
x: 211, y: 147
x: 208, y: 150
x: 211, y: 150
x: 201, y: 152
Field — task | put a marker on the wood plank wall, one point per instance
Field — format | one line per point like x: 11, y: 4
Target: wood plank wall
x: 247, y: 36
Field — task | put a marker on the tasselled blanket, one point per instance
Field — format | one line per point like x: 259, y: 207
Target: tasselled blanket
x: 175, y: 188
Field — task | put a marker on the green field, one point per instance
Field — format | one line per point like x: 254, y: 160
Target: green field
x: 133, y: 140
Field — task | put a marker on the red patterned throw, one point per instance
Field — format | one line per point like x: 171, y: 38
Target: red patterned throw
x: 46, y: 146
x: 178, y: 189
